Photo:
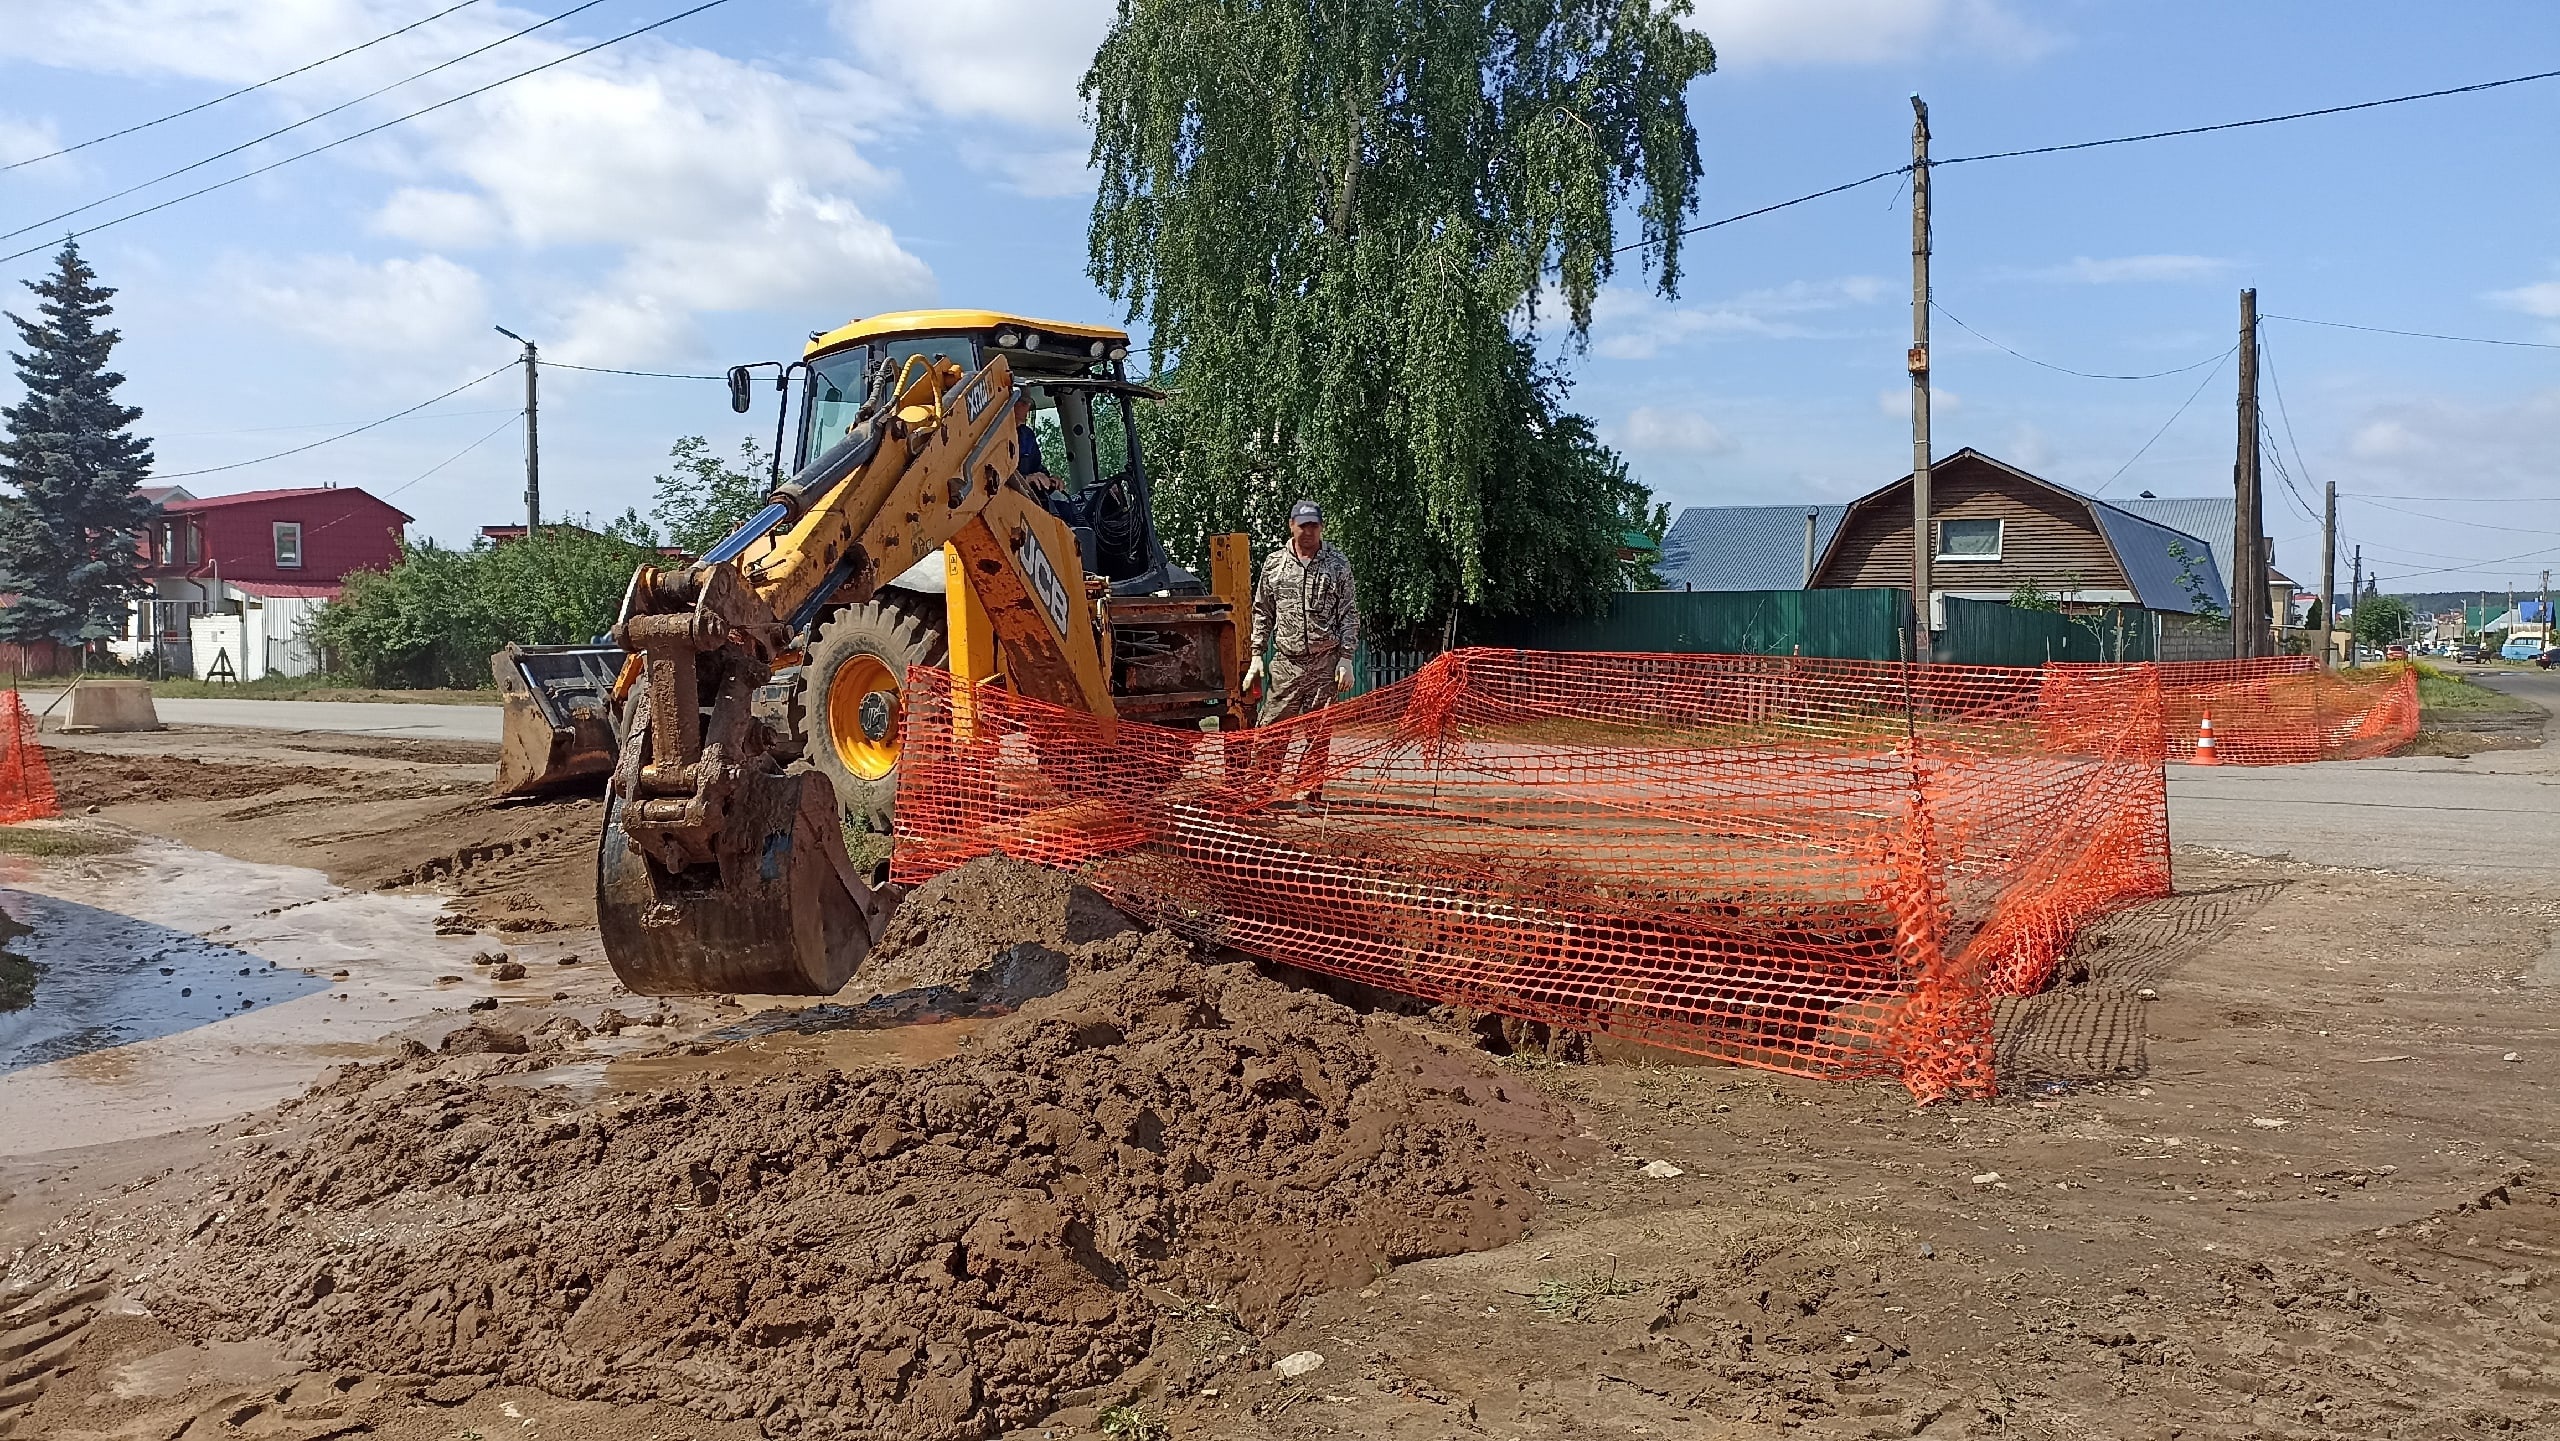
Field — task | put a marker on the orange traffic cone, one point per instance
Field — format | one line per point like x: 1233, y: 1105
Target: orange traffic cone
x: 2204, y: 741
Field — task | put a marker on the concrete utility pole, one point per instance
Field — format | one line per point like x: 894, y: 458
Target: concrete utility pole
x: 1923, y: 544
x: 2546, y: 610
x: 2328, y: 576
x: 2248, y: 551
x: 1808, y: 548
x: 532, y: 431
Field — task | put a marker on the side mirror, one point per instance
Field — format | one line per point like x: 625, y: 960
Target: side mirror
x: 741, y: 396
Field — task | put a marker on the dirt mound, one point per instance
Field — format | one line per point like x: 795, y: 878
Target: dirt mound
x: 513, y: 868
x: 929, y: 1253
x: 955, y: 925
x: 104, y: 778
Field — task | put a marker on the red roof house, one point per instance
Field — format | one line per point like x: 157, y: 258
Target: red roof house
x: 301, y: 538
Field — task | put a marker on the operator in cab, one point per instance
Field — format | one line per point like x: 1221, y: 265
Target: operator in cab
x: 1034, y: 468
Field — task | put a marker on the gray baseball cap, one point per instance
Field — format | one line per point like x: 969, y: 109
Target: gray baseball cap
x: 1305, y: 511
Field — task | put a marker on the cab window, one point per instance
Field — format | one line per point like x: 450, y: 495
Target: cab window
x: 837, y: 382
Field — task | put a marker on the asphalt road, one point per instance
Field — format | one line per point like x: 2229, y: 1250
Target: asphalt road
x: 2492, y: 821
x: 410, y: 722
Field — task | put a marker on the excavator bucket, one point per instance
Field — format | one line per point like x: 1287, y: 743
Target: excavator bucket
x: 558, y: 724
x: 782, y: 913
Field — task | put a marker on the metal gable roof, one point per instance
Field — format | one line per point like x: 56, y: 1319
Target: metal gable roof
x: 1743, y: 547
x: 2158, y: 575
x: 2209, y: 518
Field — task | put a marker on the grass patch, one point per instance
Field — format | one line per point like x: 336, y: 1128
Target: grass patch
x: 1570, y: 1298
x: 304, y: 687
x: 1131, y: 1421
x: 58, y: 841
x: 2440, y: 690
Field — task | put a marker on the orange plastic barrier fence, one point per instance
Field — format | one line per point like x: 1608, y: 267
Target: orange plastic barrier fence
x: 26, y: 786
x: 2286, y: 710
x: 1828, y: 868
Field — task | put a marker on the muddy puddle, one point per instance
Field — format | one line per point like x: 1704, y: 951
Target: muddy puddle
x: 168, y: 987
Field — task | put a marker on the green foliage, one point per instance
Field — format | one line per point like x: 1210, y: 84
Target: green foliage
x: 1340, y: 224
x: 71, y: 458
x: 2030, y: 596
x: 2191, y: 580
x: 702, y: 498
x: 2382, y: 620
x: 435, y: 618
x: 2318, y: 616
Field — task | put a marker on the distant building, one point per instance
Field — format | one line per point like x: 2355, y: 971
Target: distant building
x: 1998, y: 530
x: 236, y: 579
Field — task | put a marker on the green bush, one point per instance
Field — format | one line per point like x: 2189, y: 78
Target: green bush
x: 435, y: 618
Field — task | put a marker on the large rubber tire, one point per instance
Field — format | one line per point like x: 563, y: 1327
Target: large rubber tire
x: 854, y: 674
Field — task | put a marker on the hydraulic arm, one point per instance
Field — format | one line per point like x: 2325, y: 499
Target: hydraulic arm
x: 723, y: 865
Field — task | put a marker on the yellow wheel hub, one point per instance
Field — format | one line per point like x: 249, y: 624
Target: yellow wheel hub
x: 863, y: 716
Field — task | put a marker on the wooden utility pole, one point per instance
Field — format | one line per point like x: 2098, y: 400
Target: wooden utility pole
x: 1923, y: 544
x: 2355, y: 593
x: 532, y: 431
x: 2328, y: 576
x: 2248, y: 550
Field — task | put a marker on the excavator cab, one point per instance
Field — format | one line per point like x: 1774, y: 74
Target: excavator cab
x: 768, y: 718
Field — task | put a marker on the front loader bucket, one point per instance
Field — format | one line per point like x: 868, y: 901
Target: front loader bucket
x: 781, y: 914
x: 558, y: 724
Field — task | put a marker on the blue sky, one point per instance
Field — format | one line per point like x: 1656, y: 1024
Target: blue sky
x: 716, y: 190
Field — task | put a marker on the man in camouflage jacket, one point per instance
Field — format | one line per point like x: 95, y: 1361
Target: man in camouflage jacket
x: 1306, y: 608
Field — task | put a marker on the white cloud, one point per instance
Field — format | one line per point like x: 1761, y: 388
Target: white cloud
x: 1665, y: 430
x: 706, y: 183
x: 2384, y: 439
x: 1864, y: 32
x: 2127, y: 269
x: 992, y: 59
x: 2540, y: 299
x: 1632, y: 324
x: 396, y: 305
x: 22, y: 139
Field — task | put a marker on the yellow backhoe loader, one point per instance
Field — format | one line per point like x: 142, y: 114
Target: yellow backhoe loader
x: 759, y: 699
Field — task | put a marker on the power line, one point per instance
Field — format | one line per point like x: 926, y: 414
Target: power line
x: 2450, y: 520
x: 511, y: 419
x: 243, y: 90
x: 2455, y: 499
x: 280, y: 130
x: 376, y: 129
x: 2266, y: 356
x: 2113, y: 140
x: 2172, y: 420
x: 609, y: 370
x: 359, y: 430
x: 2417, y: 334
x: 2261, y: 120
x: 2064, y: 369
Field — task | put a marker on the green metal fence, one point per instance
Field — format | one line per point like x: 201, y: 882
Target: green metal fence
x: 1983, y: 632
x: 1842, y: 624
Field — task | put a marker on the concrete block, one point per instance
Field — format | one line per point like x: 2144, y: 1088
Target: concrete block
x: 110, y: 705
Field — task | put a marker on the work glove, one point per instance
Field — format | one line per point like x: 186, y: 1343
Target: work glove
x: 1342, y: 677
x: 1252, y: 685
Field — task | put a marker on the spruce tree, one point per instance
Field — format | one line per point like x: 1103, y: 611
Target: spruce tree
x: 71, y: 463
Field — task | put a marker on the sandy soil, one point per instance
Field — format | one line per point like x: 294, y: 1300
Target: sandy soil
x: 2267, y: 1171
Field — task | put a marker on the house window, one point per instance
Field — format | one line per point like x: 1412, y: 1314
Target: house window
x: 1968, y: 540
x: 288, y: 545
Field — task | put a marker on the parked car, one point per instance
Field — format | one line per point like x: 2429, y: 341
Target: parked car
x: 2548, y: 658
x: 2471, y: 654
x: 2395, y: 652
x: 2523, y: 647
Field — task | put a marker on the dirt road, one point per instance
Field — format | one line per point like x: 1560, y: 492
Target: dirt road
x: 2267, y: 1172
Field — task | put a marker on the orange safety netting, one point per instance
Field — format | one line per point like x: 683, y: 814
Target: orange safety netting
x: 26, y: 786
x: 2285, y: 710
x: 1828, y: 868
